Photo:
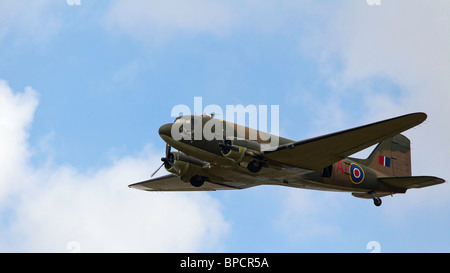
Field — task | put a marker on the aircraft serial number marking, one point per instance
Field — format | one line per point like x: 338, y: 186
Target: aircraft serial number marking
x: 353, y: 170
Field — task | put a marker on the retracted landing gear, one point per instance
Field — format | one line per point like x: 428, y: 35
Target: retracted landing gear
x: 197, y: 181
x: 254, y: 166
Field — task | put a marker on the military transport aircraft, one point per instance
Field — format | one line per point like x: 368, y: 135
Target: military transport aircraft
x: 235, y: 161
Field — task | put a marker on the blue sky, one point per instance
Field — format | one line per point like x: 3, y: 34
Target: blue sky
x: 84, y: 89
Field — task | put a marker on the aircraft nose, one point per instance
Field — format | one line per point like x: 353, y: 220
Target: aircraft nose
x: 165, y: 130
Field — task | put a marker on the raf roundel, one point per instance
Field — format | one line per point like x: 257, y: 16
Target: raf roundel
x: 356, y: 173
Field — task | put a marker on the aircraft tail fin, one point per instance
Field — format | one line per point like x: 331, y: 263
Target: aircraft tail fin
x: 391, y: 157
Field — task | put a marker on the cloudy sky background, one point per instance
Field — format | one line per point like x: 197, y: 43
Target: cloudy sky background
x: 84, y: 89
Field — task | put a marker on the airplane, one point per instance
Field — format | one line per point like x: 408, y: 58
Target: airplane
x: 236, y: 161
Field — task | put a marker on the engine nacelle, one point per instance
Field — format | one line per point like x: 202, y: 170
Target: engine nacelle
x: 236, y: 155
x: 244, y: 153
x: 187, y: 166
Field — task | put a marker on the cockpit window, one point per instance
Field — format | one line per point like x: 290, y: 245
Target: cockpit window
x: 182, y: 119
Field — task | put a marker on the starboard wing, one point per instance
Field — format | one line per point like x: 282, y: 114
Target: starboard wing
x: 319, y: 152
x: 172, y: 182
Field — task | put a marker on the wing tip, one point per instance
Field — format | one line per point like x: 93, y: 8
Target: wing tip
x: 414, y: 119
x: 137, y: 186
x: 421, y: 116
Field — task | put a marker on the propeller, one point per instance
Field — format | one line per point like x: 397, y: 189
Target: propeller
x: 167, y: 161
x: 156, y: 171
x: 226, y: 144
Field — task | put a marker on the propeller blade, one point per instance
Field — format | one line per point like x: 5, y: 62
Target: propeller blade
x: 165, y: 160
x: 167, y: 150
x: 224, y: 136
x: 226, y: 144
x: 171, y: 164
x: 156, y: 170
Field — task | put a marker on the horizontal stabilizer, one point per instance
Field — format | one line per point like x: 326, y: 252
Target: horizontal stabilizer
x: 412, y: 182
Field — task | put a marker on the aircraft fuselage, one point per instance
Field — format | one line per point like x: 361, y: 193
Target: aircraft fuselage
x: 347, y: 175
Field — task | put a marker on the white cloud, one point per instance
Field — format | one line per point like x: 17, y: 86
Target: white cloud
x: 45, y: 209
x: 405, y: 43
x: 36, y: 19
x: 16, y: 114
x: 156, y: 21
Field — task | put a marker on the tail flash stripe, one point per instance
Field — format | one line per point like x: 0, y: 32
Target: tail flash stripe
x: 384, y: 161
